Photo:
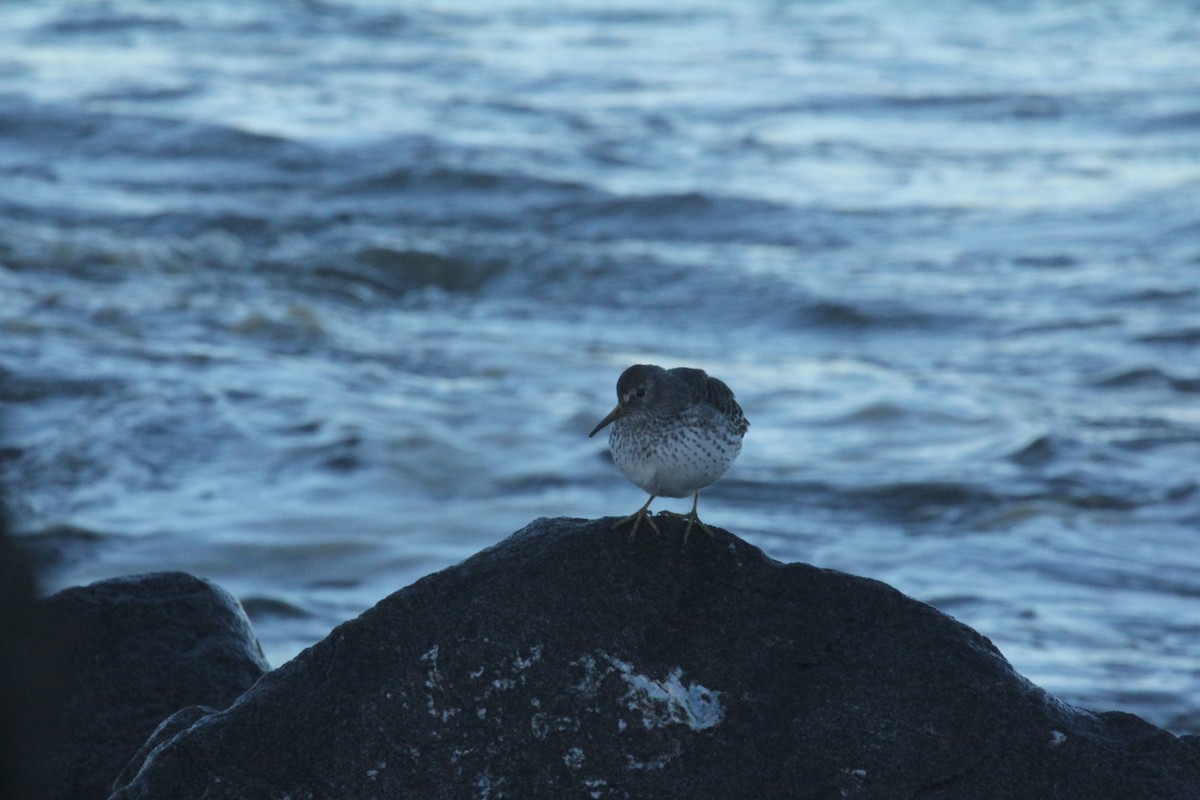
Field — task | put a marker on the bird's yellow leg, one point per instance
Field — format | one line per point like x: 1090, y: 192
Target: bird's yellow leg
x: 692, y: 517
x: 637, y: 517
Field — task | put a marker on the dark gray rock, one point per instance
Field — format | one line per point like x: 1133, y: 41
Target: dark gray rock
x: 29, y: 676
x: 168, y: 729
x: 135, y: 650
x: 569, y: 662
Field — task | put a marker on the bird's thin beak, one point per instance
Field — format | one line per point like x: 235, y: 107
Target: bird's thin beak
x: 612, y: 417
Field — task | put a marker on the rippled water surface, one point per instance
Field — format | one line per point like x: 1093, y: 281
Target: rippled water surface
x: 313, y: 298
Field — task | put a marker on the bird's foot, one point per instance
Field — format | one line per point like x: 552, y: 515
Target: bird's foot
x: 636, y: 518
x: 692, y: 518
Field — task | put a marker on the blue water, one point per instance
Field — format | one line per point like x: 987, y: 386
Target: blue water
x: 313, y: 298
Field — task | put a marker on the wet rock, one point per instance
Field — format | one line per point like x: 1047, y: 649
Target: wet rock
x: 569, y: 662
x: 134, y: 651
x: 29, y: 676
x: 170, y: 727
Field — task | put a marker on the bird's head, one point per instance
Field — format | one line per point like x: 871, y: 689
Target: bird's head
x: 636, y: 387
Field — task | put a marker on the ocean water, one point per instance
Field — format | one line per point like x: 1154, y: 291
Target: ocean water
x: 314, y: 298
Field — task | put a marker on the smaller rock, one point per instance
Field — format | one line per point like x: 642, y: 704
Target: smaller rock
x: 135, y: 650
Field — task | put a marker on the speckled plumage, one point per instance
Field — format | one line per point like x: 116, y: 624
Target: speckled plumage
x: 673, y: 433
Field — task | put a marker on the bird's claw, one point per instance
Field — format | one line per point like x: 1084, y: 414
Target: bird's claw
x: 692, y: 519
x: 636, y: 518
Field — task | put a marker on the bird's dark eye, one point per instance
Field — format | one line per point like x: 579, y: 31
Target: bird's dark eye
x: 640, y: 392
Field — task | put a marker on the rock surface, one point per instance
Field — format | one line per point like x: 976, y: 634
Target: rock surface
x: 134, y: 651
x: 569, y: 662
x: 170, y: 727
x: 29, y: 680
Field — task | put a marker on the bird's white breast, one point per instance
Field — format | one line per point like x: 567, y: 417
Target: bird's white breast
x: 672, y: 463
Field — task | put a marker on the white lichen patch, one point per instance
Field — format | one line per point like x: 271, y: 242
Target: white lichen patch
x: 542, y: 724
x: 590, y: 683
x: 521, y: 663
x: 433, y: 675
x: 573, y: 758
x: 506, y: 675
x: 484, y: 785
x: 669, y: 700
x: 478, y: 686
x: 539, y: 725
x: 434, y: 682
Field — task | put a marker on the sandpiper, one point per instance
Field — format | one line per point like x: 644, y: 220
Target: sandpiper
x: 674, y: 431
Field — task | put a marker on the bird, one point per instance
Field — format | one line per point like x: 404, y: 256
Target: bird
x: 674, y: 432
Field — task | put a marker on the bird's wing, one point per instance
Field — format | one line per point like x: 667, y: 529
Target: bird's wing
x: 715, y: 392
